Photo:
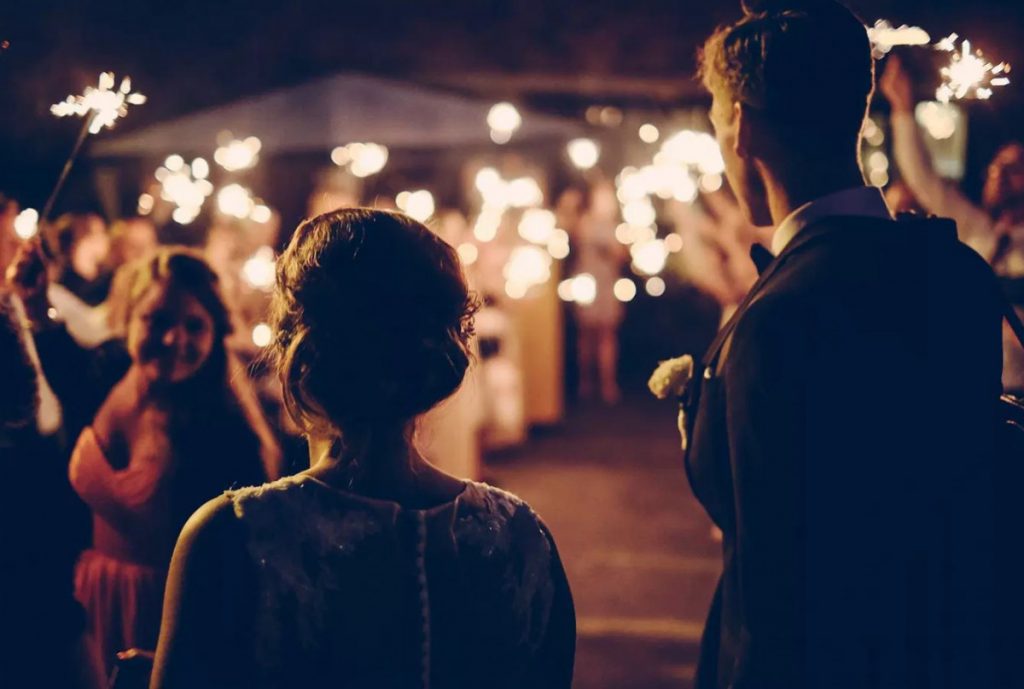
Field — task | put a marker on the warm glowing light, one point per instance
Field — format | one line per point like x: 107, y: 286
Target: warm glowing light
x: 261, y: 214
x: 363, y: 159
x: 584, y: 289
x: 26, y: 223
x: 625, y: 233
x: 697, y: 149
x: 639, y: 213
x: 968, y: 75
x: 102, y: 104
x: 649, y: 133
x: 537, y: 225
x: 487, y: 224
x: 872, y: 133
x: 878, y: 177
x: 625, y: 290
x: 145, y: 205
x: 878, y: 161
x: 524, y: 192
x: 649, y: 257
x: 200, y: 168
x: 468, y: 253
x: 527, y: 266
x: 262, y: 335
x: 884, y: 37
x: 674, y: 243
x: 504, y: 120
x: 655, y: 287
x: 259, y: 270
x: 558, y: 244
x: 584, y: 153
x: 418, y: 205
x: 236, y: 201
x: 939, y: 119
x: 180, y: 186
x: 238, y: 154
x: 710, y: 183
x: 174, y: 163
x: 565, y: 290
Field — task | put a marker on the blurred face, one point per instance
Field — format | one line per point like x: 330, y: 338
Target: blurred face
x: 138, y: 240
x: 170, y: 335
x: 739, y: 166
x: 1004, y: 185
x: 92, y: 247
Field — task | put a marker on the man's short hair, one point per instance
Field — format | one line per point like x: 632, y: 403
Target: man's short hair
x: 805, y: 64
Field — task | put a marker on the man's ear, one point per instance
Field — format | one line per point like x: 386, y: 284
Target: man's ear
x: 742, y: 123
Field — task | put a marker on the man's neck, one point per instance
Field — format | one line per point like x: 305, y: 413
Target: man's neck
x: 787, y: 193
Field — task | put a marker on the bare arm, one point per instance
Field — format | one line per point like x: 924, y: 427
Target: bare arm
x: 933, y: 193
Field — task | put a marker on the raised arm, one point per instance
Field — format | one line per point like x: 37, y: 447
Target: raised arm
x: 933, y: 193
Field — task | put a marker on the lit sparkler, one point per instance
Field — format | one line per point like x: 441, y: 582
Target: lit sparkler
x: 99, y: 107
x: 102, y: 105
x: 968, y: 75
x: 884, y: 37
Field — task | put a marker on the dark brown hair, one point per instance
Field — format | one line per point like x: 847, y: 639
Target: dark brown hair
x: 372, y: 321
x: 804, y: 64
x: 185, y: 269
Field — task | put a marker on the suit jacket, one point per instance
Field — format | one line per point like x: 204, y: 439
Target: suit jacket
x: 840, y: 436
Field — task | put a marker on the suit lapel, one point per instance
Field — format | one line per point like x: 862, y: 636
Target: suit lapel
x: 807, y: 236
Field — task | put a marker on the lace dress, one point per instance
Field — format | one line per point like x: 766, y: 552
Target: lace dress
x: 331, y: 589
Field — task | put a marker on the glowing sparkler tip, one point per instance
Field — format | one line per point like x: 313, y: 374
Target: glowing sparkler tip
x: 103, y: 105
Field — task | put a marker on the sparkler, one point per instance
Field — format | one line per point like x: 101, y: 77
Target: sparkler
x: 100, y: 106
x: 884, y: 37
x: 968, y: 75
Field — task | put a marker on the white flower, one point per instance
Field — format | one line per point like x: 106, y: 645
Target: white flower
x: 671, y: 377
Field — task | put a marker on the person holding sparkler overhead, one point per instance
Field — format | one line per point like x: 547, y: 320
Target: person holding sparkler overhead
x: 841, y: 427
x: 994, y: 228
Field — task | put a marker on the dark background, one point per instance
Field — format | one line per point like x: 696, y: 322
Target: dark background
x: 551, y: 55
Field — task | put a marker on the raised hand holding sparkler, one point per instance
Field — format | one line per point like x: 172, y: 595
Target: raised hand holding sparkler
x: 100, y: 106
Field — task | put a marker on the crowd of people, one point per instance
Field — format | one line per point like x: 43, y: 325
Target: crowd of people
x: 851, y: 484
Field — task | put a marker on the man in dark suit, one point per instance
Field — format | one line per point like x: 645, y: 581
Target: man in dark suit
x: 841, y: 425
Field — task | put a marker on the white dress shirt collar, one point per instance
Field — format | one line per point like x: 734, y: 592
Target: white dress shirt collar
x: 866, y: 202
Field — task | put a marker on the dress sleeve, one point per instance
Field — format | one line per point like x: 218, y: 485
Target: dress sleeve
x: 934, y: 194
x: 202, y: 636
x: 553, y: 664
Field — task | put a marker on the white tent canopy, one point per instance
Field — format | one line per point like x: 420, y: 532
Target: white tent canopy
x: 329, y: 112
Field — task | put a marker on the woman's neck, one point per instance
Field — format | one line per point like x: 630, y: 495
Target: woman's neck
x: 385, y: 465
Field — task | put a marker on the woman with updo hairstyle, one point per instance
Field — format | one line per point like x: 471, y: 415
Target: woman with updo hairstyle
x: 372, y: 568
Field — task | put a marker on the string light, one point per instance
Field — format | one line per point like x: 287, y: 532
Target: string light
x: 418, y: 205
x: 259, y: 270
x: 503, y: 119
x: 584, y: 153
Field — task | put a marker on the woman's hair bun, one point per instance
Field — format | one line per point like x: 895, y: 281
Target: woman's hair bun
x: 372, y: 317
x: 753, y: 7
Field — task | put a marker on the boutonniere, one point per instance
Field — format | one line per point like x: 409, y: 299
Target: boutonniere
x: 669, y: 380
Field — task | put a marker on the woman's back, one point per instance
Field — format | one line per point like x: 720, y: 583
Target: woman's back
x: 328, y: 588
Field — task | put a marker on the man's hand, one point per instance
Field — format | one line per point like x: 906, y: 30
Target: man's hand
x: 895, y: 85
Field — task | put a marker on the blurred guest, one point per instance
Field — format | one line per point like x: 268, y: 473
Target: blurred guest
x: 599, y: 254
x: 373, y: 568
x: 179, y: 425
x: 995, y: 228
x: 901, y: 199
x: 44, y: 629
x: 9, y: 241
x: 84, y: 246
x: 132, y: 239
x: 715, y: 253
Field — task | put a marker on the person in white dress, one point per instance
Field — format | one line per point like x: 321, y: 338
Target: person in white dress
x: 373, y: 568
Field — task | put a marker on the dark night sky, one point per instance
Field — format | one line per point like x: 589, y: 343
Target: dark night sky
x: 188, y: 54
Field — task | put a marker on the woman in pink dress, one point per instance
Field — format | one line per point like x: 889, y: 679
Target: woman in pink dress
x: 179, y: 428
